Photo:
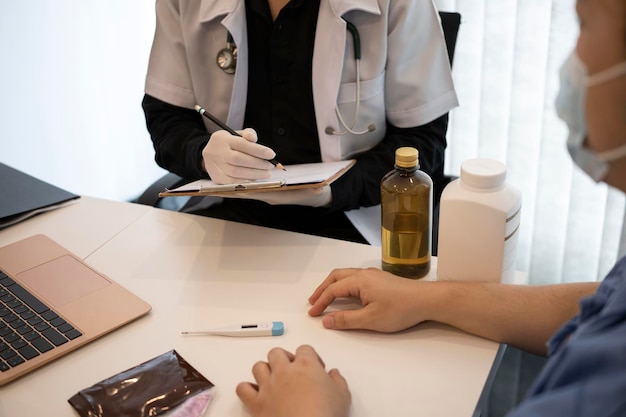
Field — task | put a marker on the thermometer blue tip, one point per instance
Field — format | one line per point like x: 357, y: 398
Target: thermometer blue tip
x: 278, y: 328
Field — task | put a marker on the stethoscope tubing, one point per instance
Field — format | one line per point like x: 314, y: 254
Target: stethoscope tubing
x: 227, y: 61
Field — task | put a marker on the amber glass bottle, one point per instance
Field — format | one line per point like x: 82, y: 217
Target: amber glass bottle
x: 406, y: 212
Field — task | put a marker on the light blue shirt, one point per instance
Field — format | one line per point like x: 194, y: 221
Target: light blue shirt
x: 585, y: 374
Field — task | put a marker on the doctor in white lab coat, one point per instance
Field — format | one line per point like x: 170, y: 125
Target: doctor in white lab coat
x: 405, y: 91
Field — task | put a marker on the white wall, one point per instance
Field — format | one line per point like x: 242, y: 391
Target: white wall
x: 71, y: 83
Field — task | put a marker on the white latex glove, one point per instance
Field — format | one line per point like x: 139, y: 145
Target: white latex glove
x: 229, y: 159
x: 312, y: 197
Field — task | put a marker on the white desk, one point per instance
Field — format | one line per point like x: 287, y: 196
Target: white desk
x: 197, y: 272
x: 81, y: 227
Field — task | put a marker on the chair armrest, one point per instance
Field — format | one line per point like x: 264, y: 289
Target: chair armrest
x: 150, y: 196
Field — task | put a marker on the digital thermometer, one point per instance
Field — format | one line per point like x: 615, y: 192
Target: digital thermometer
x: 269, y: 328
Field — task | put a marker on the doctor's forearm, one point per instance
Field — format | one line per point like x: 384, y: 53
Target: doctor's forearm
x: 178, y: 136
x: 430, y: 140
x: 360, y: 186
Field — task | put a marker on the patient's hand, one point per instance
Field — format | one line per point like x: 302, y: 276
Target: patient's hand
x: 289, y: 385
x: 389, y: 303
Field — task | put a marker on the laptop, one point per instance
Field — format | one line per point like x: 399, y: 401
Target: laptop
x: 51, y: 303
x: 23, y: 196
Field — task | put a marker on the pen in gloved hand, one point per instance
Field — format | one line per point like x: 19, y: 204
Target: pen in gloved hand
x: 221, y: 124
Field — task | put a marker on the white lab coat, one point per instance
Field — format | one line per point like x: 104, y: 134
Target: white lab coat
x: 405, y: 72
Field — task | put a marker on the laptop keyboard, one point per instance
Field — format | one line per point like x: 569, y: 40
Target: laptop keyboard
x: 28, y: 327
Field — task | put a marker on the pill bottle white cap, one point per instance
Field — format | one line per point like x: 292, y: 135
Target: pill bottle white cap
x: 483, y: 173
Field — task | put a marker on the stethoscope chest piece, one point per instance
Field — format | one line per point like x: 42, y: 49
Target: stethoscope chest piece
x: 227, y: 58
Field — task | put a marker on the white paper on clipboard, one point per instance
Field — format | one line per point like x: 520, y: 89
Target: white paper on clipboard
x: 294, y: 177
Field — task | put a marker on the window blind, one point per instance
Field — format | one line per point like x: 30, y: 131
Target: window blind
x: 506, y: 66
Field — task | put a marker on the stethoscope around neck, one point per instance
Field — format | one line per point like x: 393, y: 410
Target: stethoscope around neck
x: 227, y: 60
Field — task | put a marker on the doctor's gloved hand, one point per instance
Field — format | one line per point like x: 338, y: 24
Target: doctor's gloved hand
x: 228, y: 158
x: 312, y: 197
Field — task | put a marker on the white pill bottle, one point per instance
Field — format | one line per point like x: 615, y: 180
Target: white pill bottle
x: 479, y: 223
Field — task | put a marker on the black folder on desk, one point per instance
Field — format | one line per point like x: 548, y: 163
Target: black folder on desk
x: 22, y: 196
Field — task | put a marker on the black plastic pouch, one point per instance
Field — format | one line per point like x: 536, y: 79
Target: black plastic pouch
x: 150, y: 389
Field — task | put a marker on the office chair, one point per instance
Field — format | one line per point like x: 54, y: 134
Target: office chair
x: 450, y: 22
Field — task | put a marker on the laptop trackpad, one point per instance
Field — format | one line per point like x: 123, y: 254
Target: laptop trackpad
x: 63, y: 280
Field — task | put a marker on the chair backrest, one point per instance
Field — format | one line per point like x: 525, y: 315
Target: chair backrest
x: 450, y: 23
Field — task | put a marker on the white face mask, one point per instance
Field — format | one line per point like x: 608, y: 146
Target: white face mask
x: 570, y: 106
